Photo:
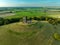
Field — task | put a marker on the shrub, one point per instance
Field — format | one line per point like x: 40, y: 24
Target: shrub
x: 58, y: 21
x: 54, y: 22
x: 42, y: 18
x: 36, y: 18
x: 12, y: 20
x: 57, y: 36
x: 1, y: 21
x: 51, y: 21
x: 8, y: 21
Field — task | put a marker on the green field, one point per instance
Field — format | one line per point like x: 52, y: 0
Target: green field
x: 33, y: 13
x: 39, y: 32
x: 28, y: 14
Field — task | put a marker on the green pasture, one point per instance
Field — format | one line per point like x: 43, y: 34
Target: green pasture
x: 39, y: 33
x: 28, y: 14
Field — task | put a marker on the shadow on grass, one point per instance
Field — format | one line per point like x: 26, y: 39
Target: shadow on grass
x: 29, y: 33
x: 13, y: 32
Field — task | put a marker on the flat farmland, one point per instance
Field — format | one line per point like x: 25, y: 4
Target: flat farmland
x: 6, y: 14
x: 55, y: 14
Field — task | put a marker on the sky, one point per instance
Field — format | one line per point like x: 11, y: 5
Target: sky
x: 29, y: 3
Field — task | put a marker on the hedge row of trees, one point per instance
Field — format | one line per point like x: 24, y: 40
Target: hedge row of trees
x: 8, y: 21
x: 42, y: 18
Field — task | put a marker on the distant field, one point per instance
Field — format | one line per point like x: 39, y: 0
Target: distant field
x: 54, y: 14
x: 29, y: 14
x: 7, y: 14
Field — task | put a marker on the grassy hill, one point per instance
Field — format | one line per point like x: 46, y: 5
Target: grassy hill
x: 39, y: 33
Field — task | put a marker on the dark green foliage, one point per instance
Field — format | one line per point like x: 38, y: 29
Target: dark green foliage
x: 43, y: 18
x: 51, y: 20
x: 29, y: 18
x: 36, y: 18
x: 14, y: 20
x: 1, y: 21
x: 8, y: 21
x: 58, y: 21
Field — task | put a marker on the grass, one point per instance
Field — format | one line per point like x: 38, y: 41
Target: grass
x: 19, y: 34
x: 39, y: 33
x: 57, y: 36
x: 34, y: 14
x: 29, y: 14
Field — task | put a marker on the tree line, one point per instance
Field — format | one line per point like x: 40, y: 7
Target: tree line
x: 51, y: 20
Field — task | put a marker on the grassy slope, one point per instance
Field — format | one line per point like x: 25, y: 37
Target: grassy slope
x: 35, y: 34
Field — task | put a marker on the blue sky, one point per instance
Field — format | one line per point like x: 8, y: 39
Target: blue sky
x: 23, y: 3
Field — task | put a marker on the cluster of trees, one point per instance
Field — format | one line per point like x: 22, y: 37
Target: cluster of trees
x: 51, y: 20
x: 8, y: 21
x: 42, y: 18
